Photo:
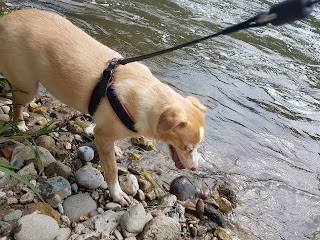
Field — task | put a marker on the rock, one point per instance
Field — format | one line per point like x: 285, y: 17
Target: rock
x: 88, y: 177
x: 182, y: 188
x: 59, y: 169
x: 228, y: 194
x: 145, y: 185
x: 117, y: 234
x: 215, y: 215
x: 29, y: 172
x: 64, y: 234
x: 85, y: 153
x: 75, y: 127
x: 27, y: 198
x: 55, y: 185
x: 54, y: 200
x: 200, y: 208
x: 161, y: 227
x: 5, y: 109
x: 79, y: 205
x: 92, y: 145
x: 4, y: 117
x: 11, y: 200
x: 133, y: 221
x: 5, y: 229
x: 224, y: 205
x: 14, y: 215
x: 6, y: 153
x: 37, y: 227
x: 151, y: 195
x: 144, y: 143
x: 221, y: 234
x: 122, y: 170
x: 129, y: 184
x: 112, y: 206
x: 74, y: 187
x: 168, y: 200
x: 24, y: 153
x: 4, y: 180
x: 193, y: 231
x: 135, y: 156
x: 47, y: 142
x: 140, y: 195
x: 104, y: 222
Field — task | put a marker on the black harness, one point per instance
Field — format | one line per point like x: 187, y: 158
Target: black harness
x: 105, y: 88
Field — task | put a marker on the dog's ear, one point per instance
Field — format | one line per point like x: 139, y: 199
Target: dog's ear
x: 171, y: 117
x: 197, y: 103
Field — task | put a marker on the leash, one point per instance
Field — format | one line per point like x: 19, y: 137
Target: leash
x: 279, y: 14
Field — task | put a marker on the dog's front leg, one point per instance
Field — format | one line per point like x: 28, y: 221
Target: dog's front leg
x: 106, y: 149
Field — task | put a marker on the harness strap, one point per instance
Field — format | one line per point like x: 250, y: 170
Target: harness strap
x: 105, y: 88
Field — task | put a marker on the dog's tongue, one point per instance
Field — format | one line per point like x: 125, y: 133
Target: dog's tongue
x: 176, y: 160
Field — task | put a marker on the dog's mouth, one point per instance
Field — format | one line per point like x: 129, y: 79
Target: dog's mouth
x: 175, y: 158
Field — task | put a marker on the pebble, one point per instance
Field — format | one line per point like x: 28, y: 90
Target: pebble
x: 200, y: 208
x: 5, y: 229
x: 29, y: 172
x: 221, y: 234
x: 58, y: 185
x: 79, y: 205
x: 54, y: 200
x: 88, y: 177
x: 5, y: 109
x: 68, y: 145
x: 64, y: 234
x: 95, y: 195
x: 225, y: 205
x: 100, y: 210
x: 24, y: 153
x: 2, y: 194
x: 129, y: 184
x: 85, y: 153
x: 74, y: 187
x: 27, y: 198
x: 168, y: 200
x: 117, y: 234
x: 144, y: 143
x: 161, y: 227
x: 37, y: 227
x: 4, y: 117
x: 140, y: 195
x: 47, y: 142
x: 4, y: 180
x: 59, y: 169
x: 11, y: 200
x: 112, y: 206
x: 14, y: 215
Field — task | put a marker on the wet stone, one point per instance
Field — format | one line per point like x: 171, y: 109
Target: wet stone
x: 183, y: 188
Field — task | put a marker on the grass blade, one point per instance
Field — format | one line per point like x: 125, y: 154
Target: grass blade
x: 22, y: 179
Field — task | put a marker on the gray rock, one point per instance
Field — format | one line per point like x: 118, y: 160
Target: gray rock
x: 183, y: 188
x: 24, y: 153
x: 27, y: 198
x: 14, y: 215
x: 78, y: 205
x: 5, y: 229
x: 117, y: 234
x: 112, y: 206
x: 4, y: 180
x: 29, y: 172
x: 85, y: 153
x: 55, y: 185
x: 161, y: 227
x: 59, y: 169
x: 37, y: 227
x: 64, y: 234
x: 88, y: 177
x: 168, y: 200
x: 133, y: 221
x: 104, y: 222
x: 129, y: 184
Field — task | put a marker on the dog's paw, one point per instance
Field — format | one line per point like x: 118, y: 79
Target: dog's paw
x: 118, y: 151
x: 119, y: 196
x: 22, y: 126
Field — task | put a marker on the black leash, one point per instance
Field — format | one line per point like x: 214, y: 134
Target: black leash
x: 281, y: 13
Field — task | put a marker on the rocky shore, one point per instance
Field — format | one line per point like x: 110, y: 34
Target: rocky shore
x: 166, y: 203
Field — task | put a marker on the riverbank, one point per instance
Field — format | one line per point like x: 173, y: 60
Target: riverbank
x: 166, y: 203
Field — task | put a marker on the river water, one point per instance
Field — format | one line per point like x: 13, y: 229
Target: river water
x: 261, y: 88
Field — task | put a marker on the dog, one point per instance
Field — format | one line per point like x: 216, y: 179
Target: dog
x: 42, y: 47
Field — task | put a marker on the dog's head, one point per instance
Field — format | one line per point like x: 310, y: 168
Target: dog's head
x: 182, y: 127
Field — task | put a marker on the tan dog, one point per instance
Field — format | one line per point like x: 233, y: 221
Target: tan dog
x: 37, y: 46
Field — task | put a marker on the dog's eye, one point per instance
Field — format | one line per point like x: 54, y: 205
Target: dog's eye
x: 189, y: 148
